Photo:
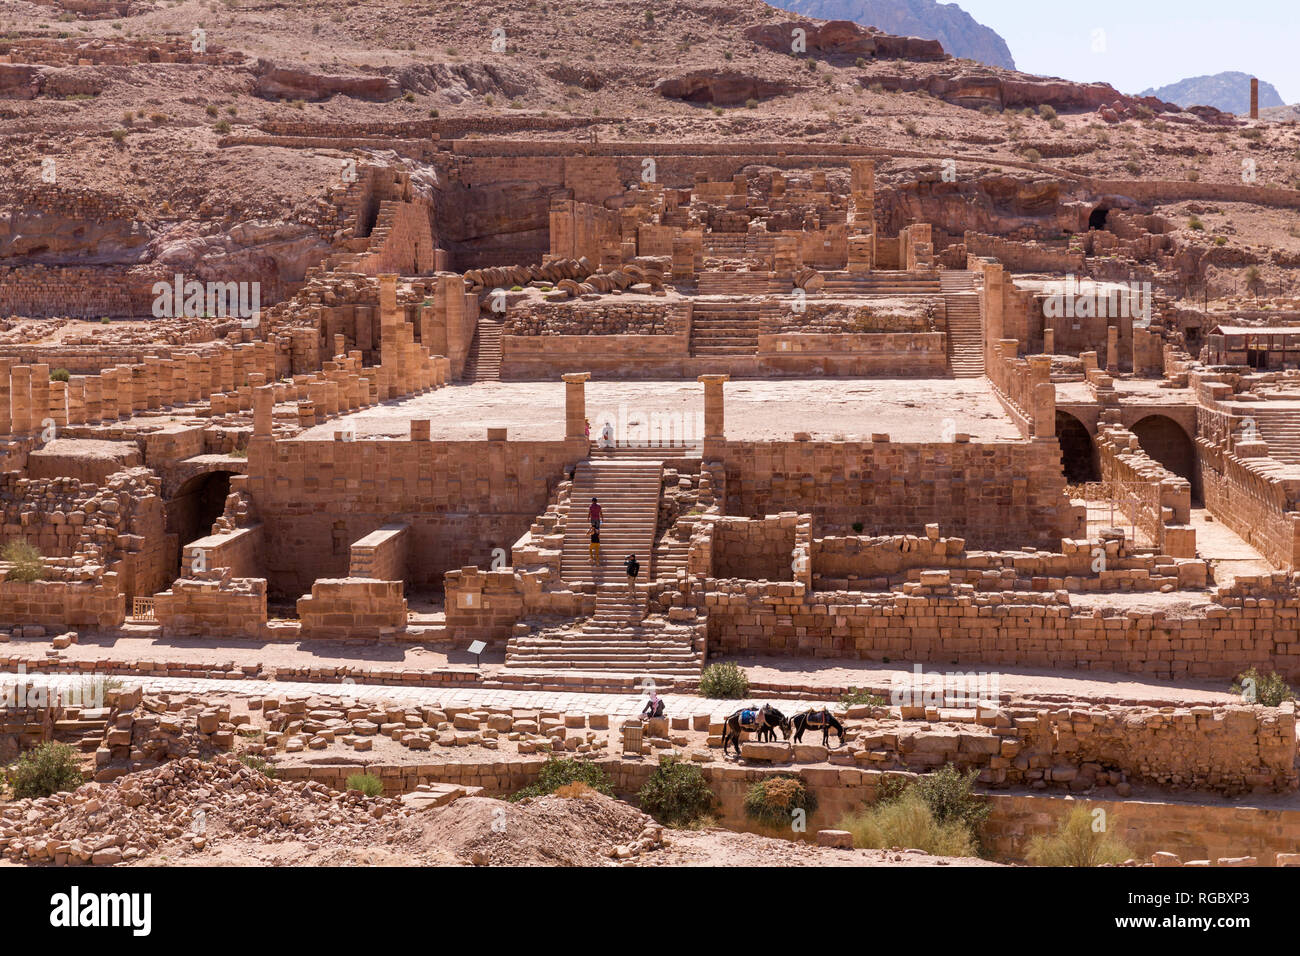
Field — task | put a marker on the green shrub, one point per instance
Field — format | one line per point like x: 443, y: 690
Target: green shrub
x: 367, y: 783
x: 254, y: 762
x: 26, y: 561
x: 47, y: 769
x: 1075, y: 843
x: 950, y: 795
x: 60, y: 375
x: 558, y: 772
x: 773, y: 799
x: 676, y: 793
x: 855, y: 697
x: 1266, y: 689
x: 1047, y: 112
x: 724, y: 681
x: 908, y: 822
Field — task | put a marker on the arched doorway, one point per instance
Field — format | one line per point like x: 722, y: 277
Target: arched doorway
x: 194, y: 508
x: 1097, y: 218
x: 1165, y: 440
x: 1078, y: 452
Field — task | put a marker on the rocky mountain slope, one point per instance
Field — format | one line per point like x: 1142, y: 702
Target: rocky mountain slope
x: 1229, y: 92
x: 960, y: 33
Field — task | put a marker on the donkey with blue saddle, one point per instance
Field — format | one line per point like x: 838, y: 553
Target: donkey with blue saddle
x: 760, y: 721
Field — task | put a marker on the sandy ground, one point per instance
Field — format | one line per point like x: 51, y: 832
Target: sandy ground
x: 914, y: 410
x: 1098, y: 686
x: 719, y: 847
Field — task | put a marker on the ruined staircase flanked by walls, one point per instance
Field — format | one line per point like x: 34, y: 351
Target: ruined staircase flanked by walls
x: 620, y: 643
x: 483, y: 363
x: 882, y: 282
x: 1279, y: 429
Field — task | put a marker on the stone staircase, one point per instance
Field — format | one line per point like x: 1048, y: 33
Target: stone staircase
x: 725, y: 328
x: 628, y: 489
x: 1280, y: 430
x: 618, y: 640
x: 85, y: 731
x: 882, y: 282
x: 483, y: 364
x: 745, y: 283
x: 672, y: 550
x: 965, y: 334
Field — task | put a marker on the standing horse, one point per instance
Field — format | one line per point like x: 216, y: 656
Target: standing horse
x: 817, y: 719
x: 763, y: 722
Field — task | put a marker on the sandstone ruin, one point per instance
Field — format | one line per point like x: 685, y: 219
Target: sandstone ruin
x: 977, y: 402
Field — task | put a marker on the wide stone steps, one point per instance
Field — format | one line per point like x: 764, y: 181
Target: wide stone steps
x: 883, y: 282
x: 629, y: 493
x: 1280, y: 430
x: 744, y: 283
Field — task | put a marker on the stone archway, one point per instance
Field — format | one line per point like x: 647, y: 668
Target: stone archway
x: 195, y: 506
x: 1078, y: 451
x: 1165, y: 440
x: 1097, y: 218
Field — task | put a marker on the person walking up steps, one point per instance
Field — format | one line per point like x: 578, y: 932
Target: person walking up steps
x: 593, y: 550
x: 595, y: 514
x: 633, y: 569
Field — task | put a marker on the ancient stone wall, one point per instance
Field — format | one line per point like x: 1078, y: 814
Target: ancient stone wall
x: 755, y: 549
x: 460, y: 499
x: 1022, y: 629
x: 339, y: 609
x: 996, y: 495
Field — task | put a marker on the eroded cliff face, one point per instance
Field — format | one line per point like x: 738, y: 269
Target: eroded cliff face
x: 960, y: 33
x: 997, y: 204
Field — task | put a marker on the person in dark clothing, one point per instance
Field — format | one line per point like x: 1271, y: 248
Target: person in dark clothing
x: 654, y: 707
x: 593, y: 550
x: 633, y: 569
x: 595, y: 514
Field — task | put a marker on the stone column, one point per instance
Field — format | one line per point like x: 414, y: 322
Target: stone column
x: 263, y: 407
x: 1254, y: 98
x: 40, y: 395
x: 388, y: 324
x: 21, y: 396
x: 59, y: 403
x: 6, y: 390
x: 94, y: 398
x: 714, y: 438
x: 575, y: 404
x: 1043, y: 396
x: 1112, y: 348
x: 1044, y: 410
x: 1049, y: 341
x: 77, y: 401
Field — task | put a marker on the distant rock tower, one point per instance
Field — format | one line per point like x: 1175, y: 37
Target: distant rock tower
x: 1254, y: 97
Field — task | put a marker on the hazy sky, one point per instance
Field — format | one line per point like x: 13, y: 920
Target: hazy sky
x: 1149, y: 43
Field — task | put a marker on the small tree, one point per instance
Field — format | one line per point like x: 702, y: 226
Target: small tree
x: 1253, y: 281
x: 1268, y: 689
x: 47, y: 769
x: 26, y: 561
x: 773, y: 800
x: 676, y: 793
x: 724, y: 681
x: 1077, y: 842
x: 561, y: 771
